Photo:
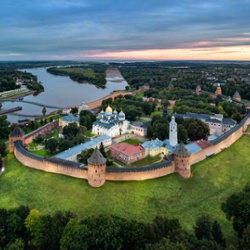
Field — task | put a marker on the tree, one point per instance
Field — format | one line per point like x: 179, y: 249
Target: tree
x: 51, y: 145
x: 84, y: 155
x: 74, y: 110
x: 196, y: 129
x: 165, y: 227
x: 202, y: 228
x: 102, y: 150
x: 246, y: 238
x: 44, y: 110
x: 105, y: 232
x: 237, y: 207
x: 131, y: 113
x: 182, y: 133
x: 146, y: 108
x: 64, y: 145
x: 38, y: 139
x: 74, y: 236
x: 236, y: 116
x: 70, y: 130
x: 161, y: 131
x: 3, y: 149
x: 17, y: 244
x: 217, y: 234
x: 4, y: 127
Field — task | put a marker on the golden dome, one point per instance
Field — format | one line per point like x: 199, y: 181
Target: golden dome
x: 108, y: 109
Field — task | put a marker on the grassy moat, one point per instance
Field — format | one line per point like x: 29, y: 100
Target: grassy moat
x: 212, y: 182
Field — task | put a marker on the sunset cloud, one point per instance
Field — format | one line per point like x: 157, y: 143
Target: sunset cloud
x: 132, y: 29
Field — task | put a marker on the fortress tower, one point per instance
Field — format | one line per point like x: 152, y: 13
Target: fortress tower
x: 237, y: 96
x: 198, y: 90
x: 16, y: 135
x: 181, y: 157
x: 96, y: 169
x: 218, y: 91
x: 173, y: 132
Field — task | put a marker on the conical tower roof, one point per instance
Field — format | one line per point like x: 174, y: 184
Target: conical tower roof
x: 17, y: 131
x: 236, y: 94
x: 181, y: 150
x: 97, y: 158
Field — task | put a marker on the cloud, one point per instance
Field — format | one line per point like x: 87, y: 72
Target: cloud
x: 58, y: 28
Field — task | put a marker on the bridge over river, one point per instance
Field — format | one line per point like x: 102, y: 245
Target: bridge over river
x: 34, y: 103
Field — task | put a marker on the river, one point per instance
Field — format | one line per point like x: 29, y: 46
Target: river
x: 60, y: 91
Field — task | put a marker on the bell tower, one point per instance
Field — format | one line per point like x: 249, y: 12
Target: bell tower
x: 173, y: 132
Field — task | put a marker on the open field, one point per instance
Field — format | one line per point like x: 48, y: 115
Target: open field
x: 86, y: 72
x: 213, y: 181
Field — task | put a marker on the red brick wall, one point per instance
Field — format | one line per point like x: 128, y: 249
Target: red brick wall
x: 40, y: 131
x: 48, y: 166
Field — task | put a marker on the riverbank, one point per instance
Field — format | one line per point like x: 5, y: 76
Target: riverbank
x: 18, y: 95
x: 97, y: 103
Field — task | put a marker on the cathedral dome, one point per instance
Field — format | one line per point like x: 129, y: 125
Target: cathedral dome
x: 121, y: 114
x: 108, y: 109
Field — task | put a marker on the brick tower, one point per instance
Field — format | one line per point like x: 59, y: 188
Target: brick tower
x: 96, y: 169
x: 237, y: 96
x: 198, y: 90
x: 182, y: 165
x: 16, y: 135
x: 218, y: 91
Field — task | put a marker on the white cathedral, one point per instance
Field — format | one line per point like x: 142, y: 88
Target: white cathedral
x: 110, y: 123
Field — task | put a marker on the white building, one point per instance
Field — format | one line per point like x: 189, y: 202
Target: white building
x: 110, y: 123
x: 83, y: 106
x: 173, y: 132
x: 71, y: 153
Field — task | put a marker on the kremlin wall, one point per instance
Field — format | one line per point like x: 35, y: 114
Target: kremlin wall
x: 97, y: 173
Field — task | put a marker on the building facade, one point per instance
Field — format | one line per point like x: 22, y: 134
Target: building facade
x: 127, y: 153
x: 110, y: 123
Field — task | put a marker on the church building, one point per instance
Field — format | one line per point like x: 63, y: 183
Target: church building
x: 110, y: 123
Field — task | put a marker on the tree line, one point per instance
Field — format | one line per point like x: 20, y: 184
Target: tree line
x: 25, y: 228
x: 192, y: 129
x: 98, y: 77
x: 8, y: 79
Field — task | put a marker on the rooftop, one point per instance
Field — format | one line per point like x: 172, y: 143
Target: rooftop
x: 128, y: 149
x: 77, y: 149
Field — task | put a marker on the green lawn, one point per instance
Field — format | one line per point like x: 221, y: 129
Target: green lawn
x: 140, y: 95
x: 156, y: 113
x: 248, y: 129
x: 132, y: 141
x: 77, y: 70
x: 146, y: 161
x: 88, y: 133
x: 213, y: 181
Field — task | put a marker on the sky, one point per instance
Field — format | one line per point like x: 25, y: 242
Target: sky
x: 124, y: 30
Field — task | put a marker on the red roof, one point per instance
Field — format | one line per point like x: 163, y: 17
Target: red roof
x: 203, y: 143
x: 128, y: 149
